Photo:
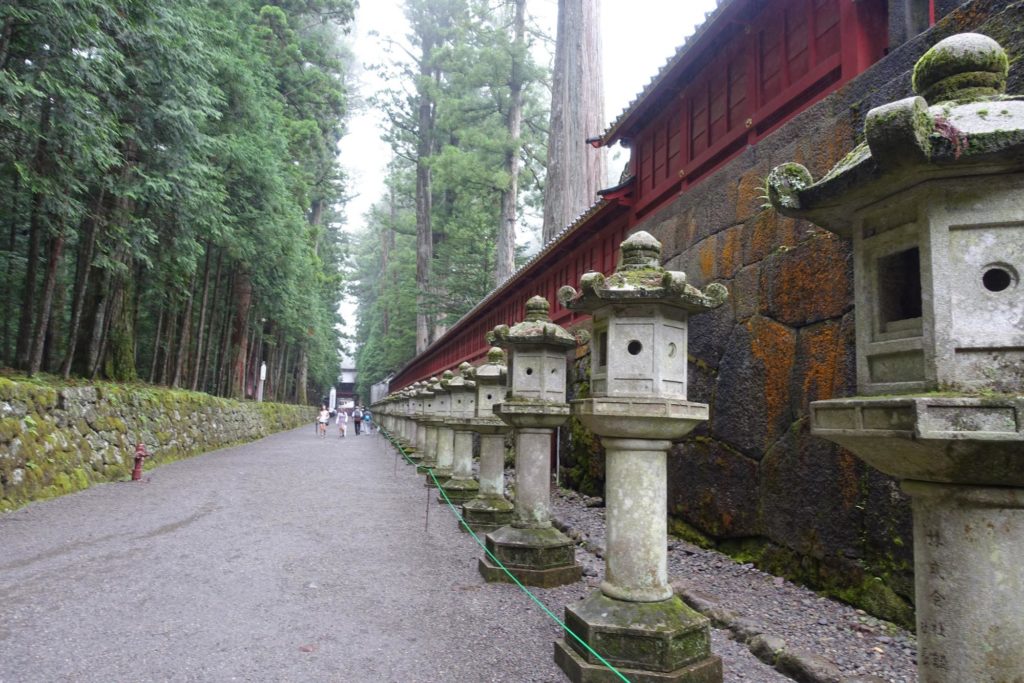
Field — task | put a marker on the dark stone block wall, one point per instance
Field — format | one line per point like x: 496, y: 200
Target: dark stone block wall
x: 786, y: 338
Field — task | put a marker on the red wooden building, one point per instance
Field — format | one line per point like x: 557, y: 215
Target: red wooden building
x: 751, y: 67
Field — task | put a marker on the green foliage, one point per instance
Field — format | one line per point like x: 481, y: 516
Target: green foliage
x: 163, y: 142
x: 459, y: 61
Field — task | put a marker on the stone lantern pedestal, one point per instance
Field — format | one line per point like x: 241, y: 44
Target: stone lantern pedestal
x: 638, y: 375
x: 530, y: 547
x: 933, y: 203
x: 489, y: 509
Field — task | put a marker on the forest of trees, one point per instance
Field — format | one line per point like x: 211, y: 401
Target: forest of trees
x: 172, y: 207
x: 468, y: 127
x: 479, y: 140
x: 169, y: 190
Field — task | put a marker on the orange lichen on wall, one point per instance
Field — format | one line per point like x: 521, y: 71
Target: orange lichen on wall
x: 810, y: 282
x: 822, y: 349
x: 749, y: 193
x: 773, y: 345
x: 706, y: 258
x: 730, y: 251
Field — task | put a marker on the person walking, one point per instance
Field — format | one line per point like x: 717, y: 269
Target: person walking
x: 357, y: 418
x: 368, y: 421
x: 342, y: 422
x: 322, y: 420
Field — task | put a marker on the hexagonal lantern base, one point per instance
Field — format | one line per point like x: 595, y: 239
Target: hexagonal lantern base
x: 648, y: 642
x: 441, y: 477
x: 459, y: 490
x: 536, y: 557
x: 484, y: 515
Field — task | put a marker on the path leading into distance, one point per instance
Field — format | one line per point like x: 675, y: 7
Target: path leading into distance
x: 289, y: 559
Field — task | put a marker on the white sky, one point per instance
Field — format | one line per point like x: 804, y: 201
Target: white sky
x: 638, y: 37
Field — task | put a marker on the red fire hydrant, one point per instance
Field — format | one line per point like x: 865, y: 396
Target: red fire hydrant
x: 140, y: 457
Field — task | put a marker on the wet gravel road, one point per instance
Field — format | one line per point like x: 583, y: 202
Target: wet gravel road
x: 288, y: 559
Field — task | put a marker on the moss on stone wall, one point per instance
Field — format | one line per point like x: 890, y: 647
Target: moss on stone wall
x: 57, y: 439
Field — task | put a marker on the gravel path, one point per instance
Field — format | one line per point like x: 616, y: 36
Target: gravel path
x: 855, y: 643
x: 293, y: 559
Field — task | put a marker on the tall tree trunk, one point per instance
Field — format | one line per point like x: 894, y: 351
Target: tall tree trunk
x: 186, y: 330
x: 282, y: 377
x: 98, y: 327
x: 242, y: 294
x: 201, y: 332
x: 49, y: 285
x: 54, y: 332
x: 120, y: 348
x: 424, y: 200
x: 575, y: 170
x: 210, y: 350
x: 5, y: 352
x: 505, y: 253
x: 28, y: 295
x: 87, y: 245
x: 222, y: 367
x: 168, y: 346
x: 303, y: 377
x: 156, y: 344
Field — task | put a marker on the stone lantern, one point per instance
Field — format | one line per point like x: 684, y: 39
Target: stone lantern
x: 402, y: 424
x: 444, y: 437
x: 489, y: 509
x: 426, y: 437
x: 530, y: 547
x: 638, y: 406
x: 414, y: 452
x: 461, y: 486
x: 934, y: 203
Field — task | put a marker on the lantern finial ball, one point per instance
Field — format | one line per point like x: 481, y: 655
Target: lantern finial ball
x: 537, y: 309
x: 962, y: 67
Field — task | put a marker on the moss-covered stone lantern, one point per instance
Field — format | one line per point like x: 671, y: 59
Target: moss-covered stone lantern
x: 530, y: 547
x: 426, y: 437
x: 444, y: 436
x: 933, y: 201
x: 637, y: 406
x: 461, y: 486
x: 489, y: 509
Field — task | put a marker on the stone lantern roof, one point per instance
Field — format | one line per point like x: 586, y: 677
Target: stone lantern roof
x: 535, y: 329
x: 960, y: 123
x: 640, y: 278
x: 493, y: 370
x: 458, y: 381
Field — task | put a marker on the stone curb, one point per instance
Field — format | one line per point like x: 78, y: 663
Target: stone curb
x: 801, y: 665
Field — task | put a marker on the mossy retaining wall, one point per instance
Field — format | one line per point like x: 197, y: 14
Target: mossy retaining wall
x: 754, y: 476
x: 59, y: 439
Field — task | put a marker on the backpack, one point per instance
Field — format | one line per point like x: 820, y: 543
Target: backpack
x: 358, y: 414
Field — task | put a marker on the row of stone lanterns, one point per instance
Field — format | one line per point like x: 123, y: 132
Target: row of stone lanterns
x: 638, y: 405
x: 932, y: 200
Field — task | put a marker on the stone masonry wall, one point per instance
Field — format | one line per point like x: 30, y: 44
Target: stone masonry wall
x: 55, y: 440
x: 784, y: 339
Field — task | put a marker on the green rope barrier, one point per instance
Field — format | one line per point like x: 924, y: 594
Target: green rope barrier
x: 505, y: 569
